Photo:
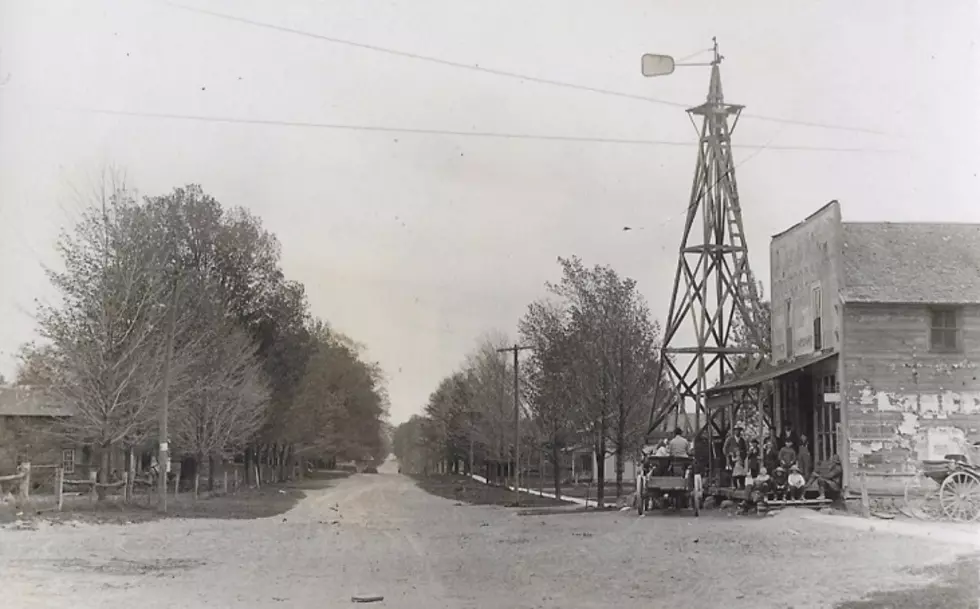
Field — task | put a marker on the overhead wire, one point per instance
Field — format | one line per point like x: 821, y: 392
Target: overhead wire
x: 448, y: 132
x: 502, y: 73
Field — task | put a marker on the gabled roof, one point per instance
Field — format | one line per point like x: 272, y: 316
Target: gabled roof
x: 19, y: 401
x: 911, y: 262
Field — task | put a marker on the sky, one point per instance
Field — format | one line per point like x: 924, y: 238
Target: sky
x: 417, y: 244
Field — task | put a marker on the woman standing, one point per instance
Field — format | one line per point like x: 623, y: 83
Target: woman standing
x: 803, y: 456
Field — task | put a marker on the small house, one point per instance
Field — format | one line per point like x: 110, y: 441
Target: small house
x: 26, y: 434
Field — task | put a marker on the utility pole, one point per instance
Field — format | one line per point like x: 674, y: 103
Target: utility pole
x: 164, y: 455
x: 517, y: 421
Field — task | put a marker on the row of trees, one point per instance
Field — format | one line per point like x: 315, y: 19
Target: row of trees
x: 589, y: 380
x: 176, y: 298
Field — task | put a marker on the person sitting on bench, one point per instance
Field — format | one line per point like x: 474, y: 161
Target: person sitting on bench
x: 831, y: 483
x: 779, y: 483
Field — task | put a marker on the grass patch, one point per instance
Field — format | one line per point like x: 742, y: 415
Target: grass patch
x: 250, y: 503
x: 466, y: 490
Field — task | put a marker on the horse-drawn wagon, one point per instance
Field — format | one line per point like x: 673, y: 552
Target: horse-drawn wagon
x: 668, y: 482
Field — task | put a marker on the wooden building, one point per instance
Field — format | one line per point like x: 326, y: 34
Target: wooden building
x: 26, y: 420
x: 875, y: 343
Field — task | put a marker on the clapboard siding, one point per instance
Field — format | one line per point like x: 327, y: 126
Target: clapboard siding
x: 904, y: 402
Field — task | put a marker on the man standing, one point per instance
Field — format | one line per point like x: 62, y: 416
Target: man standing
x: 789, y: 434
x: 678, y: 445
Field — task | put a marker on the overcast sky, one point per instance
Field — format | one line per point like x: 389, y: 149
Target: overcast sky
x: 416, y: 244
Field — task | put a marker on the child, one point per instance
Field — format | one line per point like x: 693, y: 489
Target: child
x: 753, y: 458
x: 779, y: 482
x: 795, y: 482
x: 739, y: 470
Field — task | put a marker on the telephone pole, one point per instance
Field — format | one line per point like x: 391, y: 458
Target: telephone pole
x: 164, y: 455
x: 517, y: 421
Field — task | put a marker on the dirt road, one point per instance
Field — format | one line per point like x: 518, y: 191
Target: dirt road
x: 380, y: 534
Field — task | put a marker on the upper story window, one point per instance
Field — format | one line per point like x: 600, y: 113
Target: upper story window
x: 816, y: 305
x: 944, y: 332
x: 789, y: 328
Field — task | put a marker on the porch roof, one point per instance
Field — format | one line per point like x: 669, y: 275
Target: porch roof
x: 757, y: 377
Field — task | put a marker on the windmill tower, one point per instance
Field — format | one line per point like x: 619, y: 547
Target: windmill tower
x: 713, y: 285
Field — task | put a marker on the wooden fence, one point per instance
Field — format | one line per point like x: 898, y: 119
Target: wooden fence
x: 26, y: 478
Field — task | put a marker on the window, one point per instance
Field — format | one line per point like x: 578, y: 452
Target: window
x: 789, y: 328
x: 944, y: 334
x: 816, y: 305
x: 68, y: 460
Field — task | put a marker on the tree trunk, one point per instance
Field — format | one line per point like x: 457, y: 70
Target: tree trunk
x: 248, y: 464
x: 283, y: 454
x: 620, y: 426
x: 197, y: 481
x: 556, y: 472
x: 104, y: 465
x: 619, y: 470
x: 211, y: 468
x: 130, y: 473
x: 600, y: 472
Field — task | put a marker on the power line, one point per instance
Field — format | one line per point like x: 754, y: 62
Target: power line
x: 445, y: 132
x: 504, y: 73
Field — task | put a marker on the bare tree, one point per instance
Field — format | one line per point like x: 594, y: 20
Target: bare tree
x: 106, y: 348
x: 489, y: 413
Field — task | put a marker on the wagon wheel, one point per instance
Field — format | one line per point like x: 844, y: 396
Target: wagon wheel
x: 922, y: 498
x: 959, y: 496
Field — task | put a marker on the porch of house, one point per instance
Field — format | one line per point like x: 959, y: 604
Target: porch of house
x: 803, y: 393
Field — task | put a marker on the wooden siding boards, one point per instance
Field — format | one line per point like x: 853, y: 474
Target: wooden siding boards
x: 901, y: 403
x: 805, y: 257
x: 904, y: 402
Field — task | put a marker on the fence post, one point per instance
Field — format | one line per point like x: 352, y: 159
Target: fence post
x: 59, y: 486
x: 92, y: 479
x: 25, y: 482
x: 236, y: 480
x: 224, y: 483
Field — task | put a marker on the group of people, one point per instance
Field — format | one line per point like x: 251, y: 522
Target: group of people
x: 781, y: 468
x: 678, y: 446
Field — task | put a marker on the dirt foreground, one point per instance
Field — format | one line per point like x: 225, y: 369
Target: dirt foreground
x: 382, y: 535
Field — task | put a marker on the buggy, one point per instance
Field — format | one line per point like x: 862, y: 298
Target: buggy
x: 668, y: 482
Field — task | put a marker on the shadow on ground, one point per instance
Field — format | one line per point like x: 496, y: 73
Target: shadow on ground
x: 957, y: 586
x: 466, y: 490
x: 270, y: 500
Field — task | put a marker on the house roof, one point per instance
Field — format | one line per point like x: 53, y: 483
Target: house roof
x: 911, y: 262
x: 19, y: 401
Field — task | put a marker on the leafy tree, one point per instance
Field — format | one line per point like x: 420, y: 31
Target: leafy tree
x: 550, y: 381
x: 340, y: 408
x: 242, y: 376
x: 409, y: 445
x: 599, y: 339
